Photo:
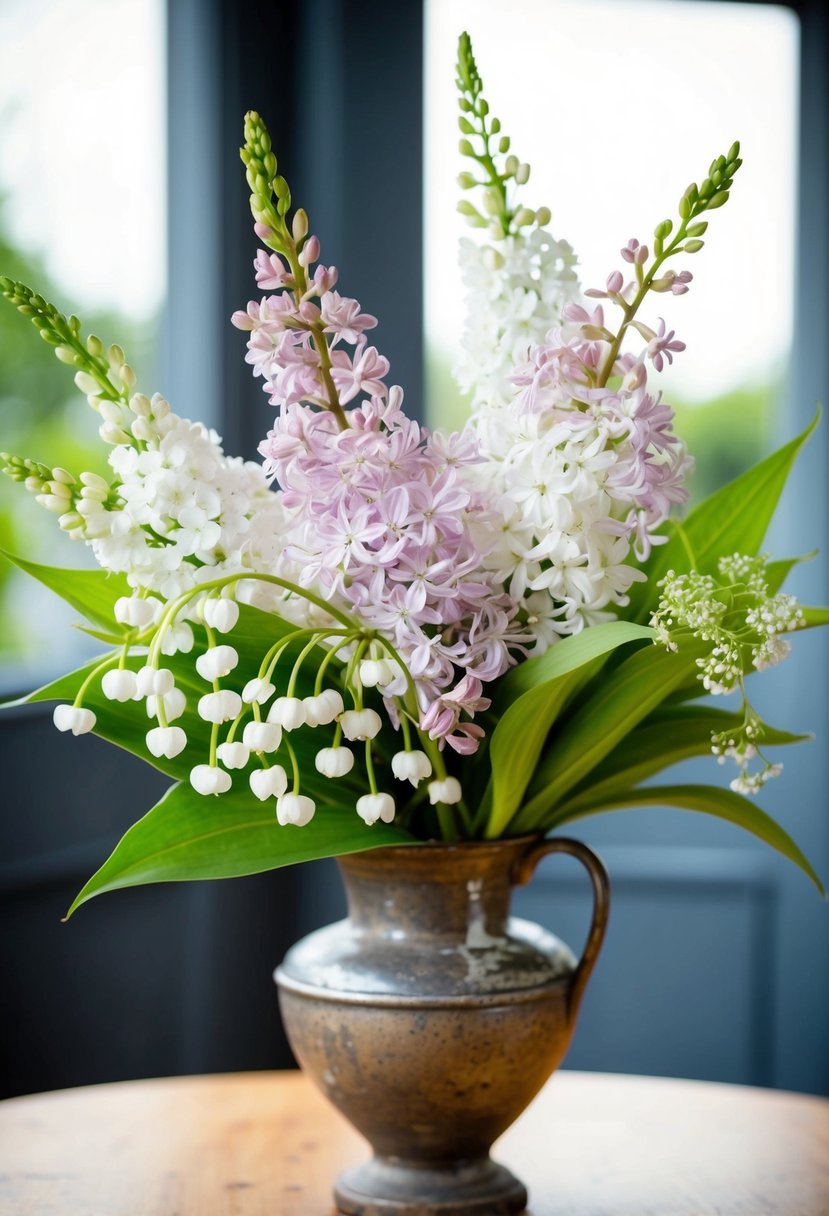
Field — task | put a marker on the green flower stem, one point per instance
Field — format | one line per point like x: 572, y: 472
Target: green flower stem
x: 710, y: 195
x: 323, y: 667
x: 109, y: 661
x: 175, y: 606
x: 372, y: 780
x: 319, y: 340
x: 301, y: 657
x: 294, y: 766
x: 354, y: 686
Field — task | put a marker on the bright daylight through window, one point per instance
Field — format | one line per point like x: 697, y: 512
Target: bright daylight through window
x: 82, y: 216
x: 616, y: 103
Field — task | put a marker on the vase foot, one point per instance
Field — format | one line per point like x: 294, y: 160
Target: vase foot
x: 384, y: 1187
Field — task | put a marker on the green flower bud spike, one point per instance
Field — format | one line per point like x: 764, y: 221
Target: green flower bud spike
x: 482, y: 142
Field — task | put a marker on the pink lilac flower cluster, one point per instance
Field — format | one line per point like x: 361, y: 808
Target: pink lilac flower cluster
x: 379, y: 509
x: 281, y: 347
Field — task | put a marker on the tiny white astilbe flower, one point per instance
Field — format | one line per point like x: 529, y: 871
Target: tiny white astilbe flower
x: 735, y: 612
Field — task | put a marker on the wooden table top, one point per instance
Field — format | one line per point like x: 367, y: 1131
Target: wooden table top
x: 267, y: 1144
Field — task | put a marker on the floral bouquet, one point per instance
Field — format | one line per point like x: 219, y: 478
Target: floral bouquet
x: 383, y: 634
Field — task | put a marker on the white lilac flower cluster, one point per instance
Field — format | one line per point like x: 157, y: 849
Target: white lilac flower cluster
x: 516, y: 288
x: 744, y: 623
x: 177, y: 511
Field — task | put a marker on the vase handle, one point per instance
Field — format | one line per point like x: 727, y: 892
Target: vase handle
x: 523, y: 871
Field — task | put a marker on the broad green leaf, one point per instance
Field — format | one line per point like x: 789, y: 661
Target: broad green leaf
x: 721, y: 803
x: 620, y: 702
x: 733, y: 520
x: 186, y: 837
x: 91, y: 592
x: 567, y: 655
x: 519, y: 737
x: 665, y: 738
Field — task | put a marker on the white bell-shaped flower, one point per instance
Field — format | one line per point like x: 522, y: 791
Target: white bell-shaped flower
x: 221, y: 614
x: 375, y: 671
x: 166, y: 741
x: 372, y: 807
x: 297, y: 809
x: 257, y: 691
x: 205, y: 779
x: 178, y: 639
x: 174, y: 704
x: 334, y: 761
x: 262, y: 736
x: 154, y: 681
x: 288, y: 712
x: 74, y: 718
x: 119, y: 685
x: 333, y: 706
x: 216, y: 662
x: 411, y: 766
x: 233, y: 755
x: 324, y: 708
x: 136, y: 613
x: 448, y: 791
x: 222, y: 706
x: 360, y: 723
x: 269, y: 782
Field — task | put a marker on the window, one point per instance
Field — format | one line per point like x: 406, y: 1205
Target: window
x: 82, y: 219
x: 617, y: 107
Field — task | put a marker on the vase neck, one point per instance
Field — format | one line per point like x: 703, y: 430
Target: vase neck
x: 460, y: 892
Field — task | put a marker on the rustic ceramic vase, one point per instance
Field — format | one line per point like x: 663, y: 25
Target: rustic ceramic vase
x: 430, y: 1018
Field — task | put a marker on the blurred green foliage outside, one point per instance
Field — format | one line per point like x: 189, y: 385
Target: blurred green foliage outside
x: 42, y: 415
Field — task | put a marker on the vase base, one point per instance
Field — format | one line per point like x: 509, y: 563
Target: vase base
x: 384, y: 1187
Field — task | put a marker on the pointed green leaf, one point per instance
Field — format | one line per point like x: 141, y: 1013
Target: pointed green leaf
x: 92, y: 593
x: 567, y: 655
x: 186, y: 837
x: 733, y: 520
x: 620, y: 702
x: 668, y: 736
x: 722, y: 804
x: 554, y: 678
x: 815, y: 617
x: 778, y: 571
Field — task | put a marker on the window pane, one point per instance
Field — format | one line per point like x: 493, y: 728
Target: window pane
x: 618, y: 106
x: 82, y: 219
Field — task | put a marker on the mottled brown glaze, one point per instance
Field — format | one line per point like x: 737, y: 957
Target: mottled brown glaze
x: 431, y: 1018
